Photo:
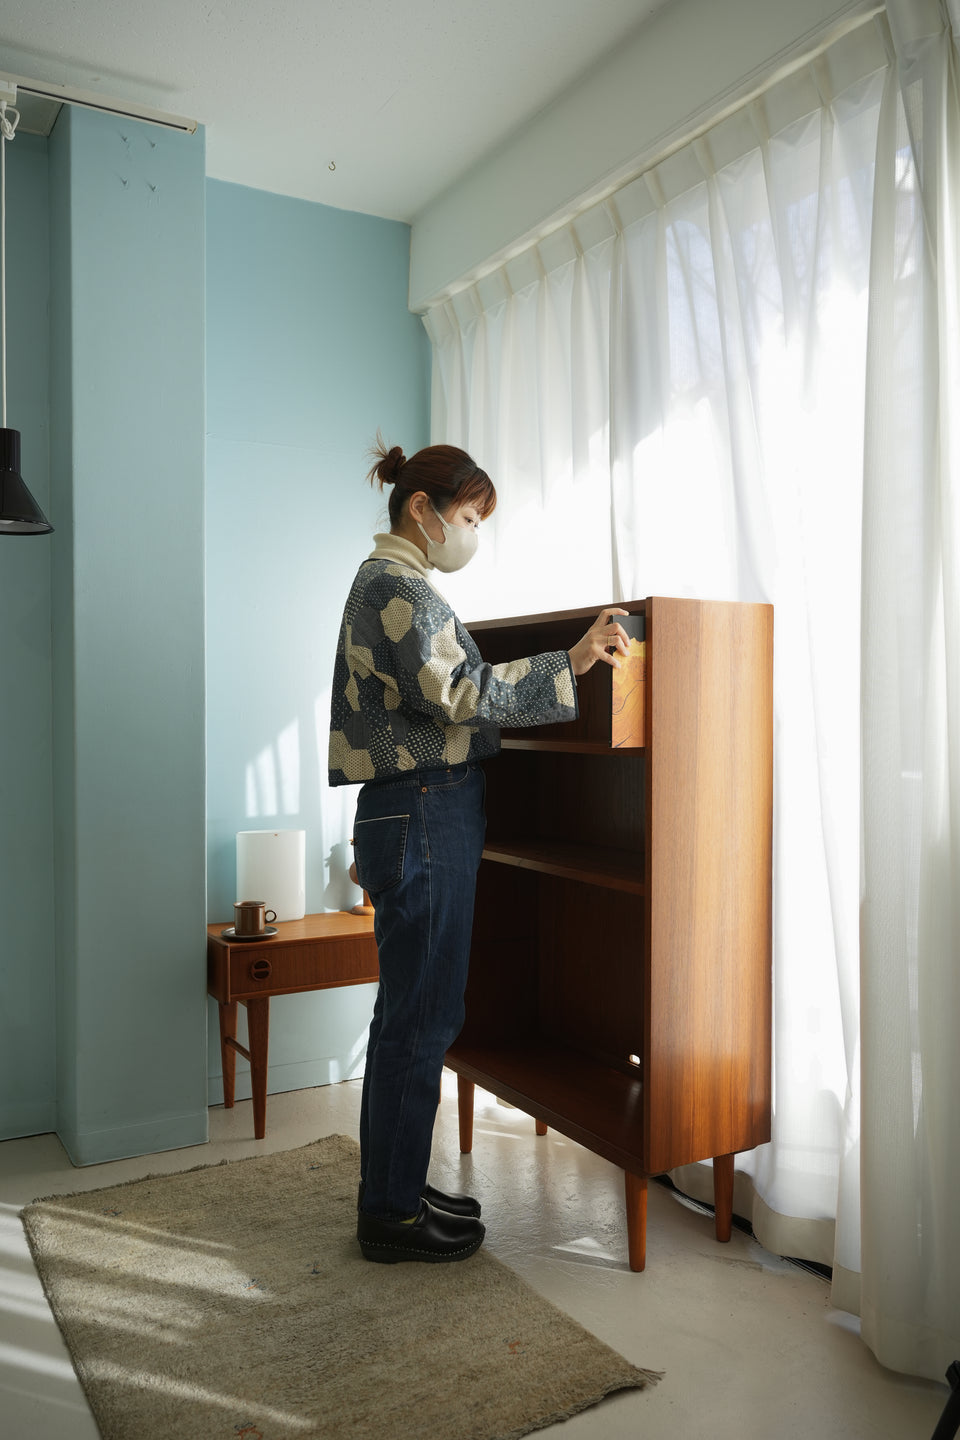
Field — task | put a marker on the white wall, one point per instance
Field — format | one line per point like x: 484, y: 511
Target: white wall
x: 691, y: 60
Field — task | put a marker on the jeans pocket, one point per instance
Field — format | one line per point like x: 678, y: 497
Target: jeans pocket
x: 379, y: 847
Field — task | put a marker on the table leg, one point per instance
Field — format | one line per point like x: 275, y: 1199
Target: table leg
x: 228, y: 1056
x: 258, y: 1028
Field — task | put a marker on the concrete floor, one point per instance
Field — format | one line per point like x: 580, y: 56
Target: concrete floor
x: 749, y: 1344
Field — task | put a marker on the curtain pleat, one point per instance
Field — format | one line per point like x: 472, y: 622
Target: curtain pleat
x: 910, y: 913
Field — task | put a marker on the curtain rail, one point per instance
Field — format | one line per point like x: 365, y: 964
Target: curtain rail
x: 647, y: 162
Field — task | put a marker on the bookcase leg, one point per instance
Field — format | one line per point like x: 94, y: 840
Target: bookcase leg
x: 465, y: 1090
x: 723, y: 1195
x: 636, y: 1193
x: 541, y: 1127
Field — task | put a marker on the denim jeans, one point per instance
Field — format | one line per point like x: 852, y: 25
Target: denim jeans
x: 417, y: 845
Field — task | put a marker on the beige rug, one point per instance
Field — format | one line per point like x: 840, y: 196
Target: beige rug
x: 232, y: 1301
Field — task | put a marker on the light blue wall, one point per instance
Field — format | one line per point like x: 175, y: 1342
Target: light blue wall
x: 103, y: 1020
x: 27, y: 985
x: 128, y: 705
x: 310, y: 347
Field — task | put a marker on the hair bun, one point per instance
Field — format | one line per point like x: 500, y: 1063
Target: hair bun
x: 387, y: 464
x: 392, y: 463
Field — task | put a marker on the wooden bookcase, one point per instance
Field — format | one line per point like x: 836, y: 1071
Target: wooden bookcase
x: 620, y: 976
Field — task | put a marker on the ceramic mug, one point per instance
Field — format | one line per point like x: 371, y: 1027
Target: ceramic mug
x: 251, y: 917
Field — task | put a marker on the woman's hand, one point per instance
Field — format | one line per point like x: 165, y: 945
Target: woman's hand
x: 603, y: 636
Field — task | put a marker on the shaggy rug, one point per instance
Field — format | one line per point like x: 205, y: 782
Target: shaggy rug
x: 232, y: 1301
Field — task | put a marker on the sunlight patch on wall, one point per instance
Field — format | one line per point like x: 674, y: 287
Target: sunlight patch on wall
x: 266, y: 781
x: 288, y: 751
x: 338, y: 805
x: 250, y: 806
x: 321, y: 722
x: 273, y: 778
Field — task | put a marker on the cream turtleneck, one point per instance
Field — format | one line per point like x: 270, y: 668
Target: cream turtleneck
x: 404, y: 552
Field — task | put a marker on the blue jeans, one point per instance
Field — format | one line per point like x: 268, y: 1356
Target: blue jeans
x: 417, y: 845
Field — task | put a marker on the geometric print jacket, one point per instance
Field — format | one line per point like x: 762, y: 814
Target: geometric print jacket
x: 410, y: 689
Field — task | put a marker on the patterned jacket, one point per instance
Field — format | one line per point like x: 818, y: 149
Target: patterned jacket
x: 410, y: 689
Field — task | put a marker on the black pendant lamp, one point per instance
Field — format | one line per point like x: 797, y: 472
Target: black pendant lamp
x: 19, y: 512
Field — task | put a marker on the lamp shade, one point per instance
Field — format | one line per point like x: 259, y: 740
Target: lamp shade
x: 271, y: 866
x: 19, y: 512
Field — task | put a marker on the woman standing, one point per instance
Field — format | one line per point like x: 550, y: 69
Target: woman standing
x: 414, y: 710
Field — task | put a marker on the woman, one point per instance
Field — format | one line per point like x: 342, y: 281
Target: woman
x: 414, y: 710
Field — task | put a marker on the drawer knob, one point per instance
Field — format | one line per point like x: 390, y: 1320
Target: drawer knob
x: 261, y: 969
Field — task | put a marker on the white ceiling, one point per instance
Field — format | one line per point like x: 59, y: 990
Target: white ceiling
x: 400, y: 96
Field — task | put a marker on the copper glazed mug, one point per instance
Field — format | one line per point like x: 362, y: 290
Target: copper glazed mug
x: 251, y: 917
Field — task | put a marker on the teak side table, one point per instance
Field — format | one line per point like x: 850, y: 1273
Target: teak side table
x: 319, y: 952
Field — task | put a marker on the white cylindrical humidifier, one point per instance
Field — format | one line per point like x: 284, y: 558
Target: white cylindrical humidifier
x: 271, y: 866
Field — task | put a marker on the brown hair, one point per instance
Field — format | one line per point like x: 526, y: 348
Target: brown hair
x: 443, y: 472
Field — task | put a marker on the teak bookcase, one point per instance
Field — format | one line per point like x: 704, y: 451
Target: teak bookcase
x: 620, y: 976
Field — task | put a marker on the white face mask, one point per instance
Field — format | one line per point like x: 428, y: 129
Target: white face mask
x: 458, y: 547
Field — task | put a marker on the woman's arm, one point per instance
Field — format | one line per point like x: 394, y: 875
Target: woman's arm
x: 409, y: 638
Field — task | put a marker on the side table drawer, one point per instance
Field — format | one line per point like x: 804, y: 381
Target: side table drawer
x: 346, y: 960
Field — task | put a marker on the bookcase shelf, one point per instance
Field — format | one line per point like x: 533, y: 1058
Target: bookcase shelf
x: 591, y: 865
x: 619, y: 985
x: 593, y: 1103
x: 569, y: 747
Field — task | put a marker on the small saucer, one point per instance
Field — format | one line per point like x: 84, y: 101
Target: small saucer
x: 231, y: 934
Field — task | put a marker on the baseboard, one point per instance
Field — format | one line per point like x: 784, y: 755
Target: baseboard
x: 304, y: 1075
x: 29, y: 1117
x: 126, y: 1142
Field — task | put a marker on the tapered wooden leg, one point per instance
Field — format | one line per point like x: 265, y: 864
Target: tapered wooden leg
x: 258, y: 1029
x: 723, y: 1195
x: 465, y: 1090
x: 541, y: 1127
x: 228, y: 1056
x: 636, y: 1192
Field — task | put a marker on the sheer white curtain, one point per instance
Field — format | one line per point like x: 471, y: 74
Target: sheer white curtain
x: 910, y: 905
x: 672, y: 395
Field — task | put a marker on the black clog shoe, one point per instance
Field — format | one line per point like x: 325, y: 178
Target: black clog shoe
x: 435, y: 1236
x: 453, y: 1204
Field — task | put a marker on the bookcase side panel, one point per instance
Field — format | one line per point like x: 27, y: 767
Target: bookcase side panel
x: 709, y: 807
